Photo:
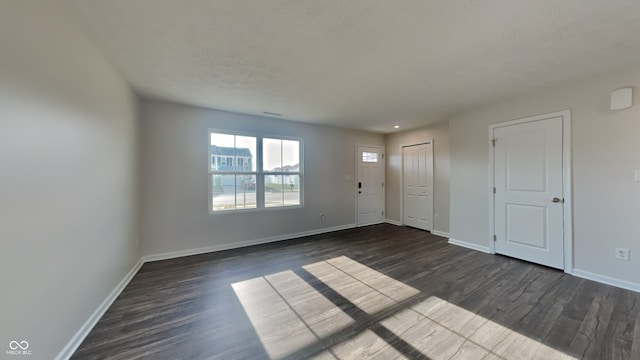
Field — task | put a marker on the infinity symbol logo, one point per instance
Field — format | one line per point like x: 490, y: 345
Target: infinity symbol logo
x: 23, y: 345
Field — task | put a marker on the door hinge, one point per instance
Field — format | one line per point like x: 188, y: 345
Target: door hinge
x: 383, y: 213
x: 382, y: 156
x: 494, y: 142
x: 494, y: 190
x: 382, y: 184
x: 495, y: 238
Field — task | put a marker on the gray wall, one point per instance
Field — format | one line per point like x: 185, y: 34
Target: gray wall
x: 439, y: 133
x: 606, y: 150
x: 174, y: 188
x: 68, y: 198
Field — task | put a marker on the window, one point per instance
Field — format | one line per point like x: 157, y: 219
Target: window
x: 249, y: 172
x: 370, y: 157
x: 281, y: 160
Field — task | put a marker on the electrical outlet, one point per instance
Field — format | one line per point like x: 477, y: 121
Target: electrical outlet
x: 322, y: 217
x: 622, y: 254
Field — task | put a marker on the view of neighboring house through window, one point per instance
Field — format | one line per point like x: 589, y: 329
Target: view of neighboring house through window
x: 233, y: 182
x: 281, y: 159
x: 253, y: 172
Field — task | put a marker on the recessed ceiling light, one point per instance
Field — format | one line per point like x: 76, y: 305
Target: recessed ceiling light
x: 271, y: 113
x: 397, y: 127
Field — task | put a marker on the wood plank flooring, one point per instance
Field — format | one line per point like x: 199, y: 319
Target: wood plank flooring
x: 381, y: 291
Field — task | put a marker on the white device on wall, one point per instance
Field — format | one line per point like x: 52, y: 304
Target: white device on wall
x: 622, y: 98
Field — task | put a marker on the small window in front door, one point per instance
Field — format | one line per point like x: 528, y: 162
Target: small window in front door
x: 370, y: 157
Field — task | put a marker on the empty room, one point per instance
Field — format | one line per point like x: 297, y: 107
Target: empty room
x: 340, y: 179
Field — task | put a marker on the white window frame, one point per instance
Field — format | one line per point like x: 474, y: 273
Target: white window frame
x: 259, y: 173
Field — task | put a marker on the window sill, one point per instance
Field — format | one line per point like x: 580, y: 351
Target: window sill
x: 255, y: 210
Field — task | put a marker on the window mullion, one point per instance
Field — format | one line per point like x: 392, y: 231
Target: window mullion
x: 235, y: 190
x: 234, y: 169
x: 282, y: 174
x: 259, y: 175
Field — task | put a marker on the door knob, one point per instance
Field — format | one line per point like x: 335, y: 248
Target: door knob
x: 557, y: 200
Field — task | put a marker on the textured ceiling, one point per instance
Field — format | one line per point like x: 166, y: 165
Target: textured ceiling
x: 355, y: 63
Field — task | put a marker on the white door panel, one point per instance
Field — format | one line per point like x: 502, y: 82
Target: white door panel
x: 418, y: 186
x: 370, y: 186
x: 528, y: 175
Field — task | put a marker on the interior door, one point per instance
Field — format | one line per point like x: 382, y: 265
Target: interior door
x: 528, y: 192
x: 418, y: 186
x: 370, y: 186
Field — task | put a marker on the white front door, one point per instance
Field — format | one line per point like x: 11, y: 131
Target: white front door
x: 370, y: 185
x: 418, y: 186
x: 528, y: 192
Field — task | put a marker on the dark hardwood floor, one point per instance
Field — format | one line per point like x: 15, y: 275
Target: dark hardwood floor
x: 381, y: 292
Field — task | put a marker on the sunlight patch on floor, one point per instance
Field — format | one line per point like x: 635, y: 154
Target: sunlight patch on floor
x: 441, y: 330
x: 364, y: 287
x: 292, y: 319
x: 287, y: 313
x: 364, y: 345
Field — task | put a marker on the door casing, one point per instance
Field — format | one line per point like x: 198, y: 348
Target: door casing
x: 566, y: 186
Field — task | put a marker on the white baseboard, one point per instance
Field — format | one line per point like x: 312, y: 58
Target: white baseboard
x: 607, y: 280
x: 440, y: 233
x: 84, y: 330
x: 469, y: 245
x: 208, y: 249
x: 393, y: 222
